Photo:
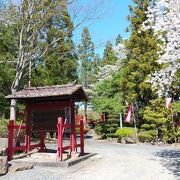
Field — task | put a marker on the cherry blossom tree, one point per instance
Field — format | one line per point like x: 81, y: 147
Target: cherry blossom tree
x: 108, y: 70
x: 164, y: 19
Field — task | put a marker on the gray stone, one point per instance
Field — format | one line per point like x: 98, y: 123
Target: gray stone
x: 54, y: 135
x: 3, y: 165
x: 127, y: 140
x: 130, y: 140
x: 113, y: 140
x: 123, y: 140
x: 20, y: 167
x: 48, y: 135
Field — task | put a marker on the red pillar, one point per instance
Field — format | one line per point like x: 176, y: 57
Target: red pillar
x: 73, y: 128
x: 10, y: 139
x: 60, y: 137
x: 82, y: 136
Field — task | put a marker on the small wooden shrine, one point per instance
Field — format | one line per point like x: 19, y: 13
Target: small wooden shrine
x: 48, y: 109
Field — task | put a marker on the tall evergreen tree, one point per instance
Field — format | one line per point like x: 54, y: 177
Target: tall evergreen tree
x: 86, y: 57
x: 60, y: 62
x: 118, y: 39
x: 97, y: 63
x: 141, y: 58
x: 109, y: 54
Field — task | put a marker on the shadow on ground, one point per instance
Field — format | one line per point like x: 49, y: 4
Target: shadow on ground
x: 171, y: 160
x: 85, y: 137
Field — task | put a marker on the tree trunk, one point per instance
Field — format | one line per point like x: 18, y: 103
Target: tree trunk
x: 14, y: 89
x: 13, y: 110
x: 30, y: 73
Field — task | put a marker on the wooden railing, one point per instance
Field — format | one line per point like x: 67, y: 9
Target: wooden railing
x: 26, y: 147
x: 73, y: 144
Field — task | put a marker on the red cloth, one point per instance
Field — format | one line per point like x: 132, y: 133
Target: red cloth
x: 168, y: 102
x: 129, y: 114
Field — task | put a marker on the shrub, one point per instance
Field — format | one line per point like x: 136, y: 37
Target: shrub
x: 4, y: 128
x: 148, y: 126
x: 111, y: 135
x: 125, y: 132
x: 158, y: 119
x: 178, y: 134
x: 100, y: 128
x: 107, y: 128
x: 145, y: 136
x: 86, y: 130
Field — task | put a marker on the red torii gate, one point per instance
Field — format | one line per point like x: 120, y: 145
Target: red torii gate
x: 48, y: 109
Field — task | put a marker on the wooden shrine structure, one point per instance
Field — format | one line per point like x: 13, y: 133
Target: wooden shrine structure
x: 47, y: 109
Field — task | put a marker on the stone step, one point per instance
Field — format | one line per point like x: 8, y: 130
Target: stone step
x: 20, y: 167
x: 48, y: 156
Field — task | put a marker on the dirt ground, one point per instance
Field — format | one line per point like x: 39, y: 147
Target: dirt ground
x: 113, y: 162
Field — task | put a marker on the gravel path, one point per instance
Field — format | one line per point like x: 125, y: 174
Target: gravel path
x: 113, y: 162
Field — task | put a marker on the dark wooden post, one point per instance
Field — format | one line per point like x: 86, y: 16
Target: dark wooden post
x: 10, y: 139
x: 60, y: 137
x: 42, y: 144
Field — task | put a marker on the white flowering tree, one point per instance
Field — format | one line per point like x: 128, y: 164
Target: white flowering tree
x: 120, y: 51
x: 104, y: 97
x: 164, y: 19
x: 108, y: 70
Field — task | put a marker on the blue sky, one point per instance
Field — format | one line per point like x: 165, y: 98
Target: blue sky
x: 111, y: 23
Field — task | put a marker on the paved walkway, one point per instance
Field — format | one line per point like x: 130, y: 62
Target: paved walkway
x: 113, y: 162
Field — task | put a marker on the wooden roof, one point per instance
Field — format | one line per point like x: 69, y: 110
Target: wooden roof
x: 49, y: 92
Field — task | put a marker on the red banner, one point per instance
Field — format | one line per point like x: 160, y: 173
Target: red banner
x: 129, y: 114
x: 168, y: 102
